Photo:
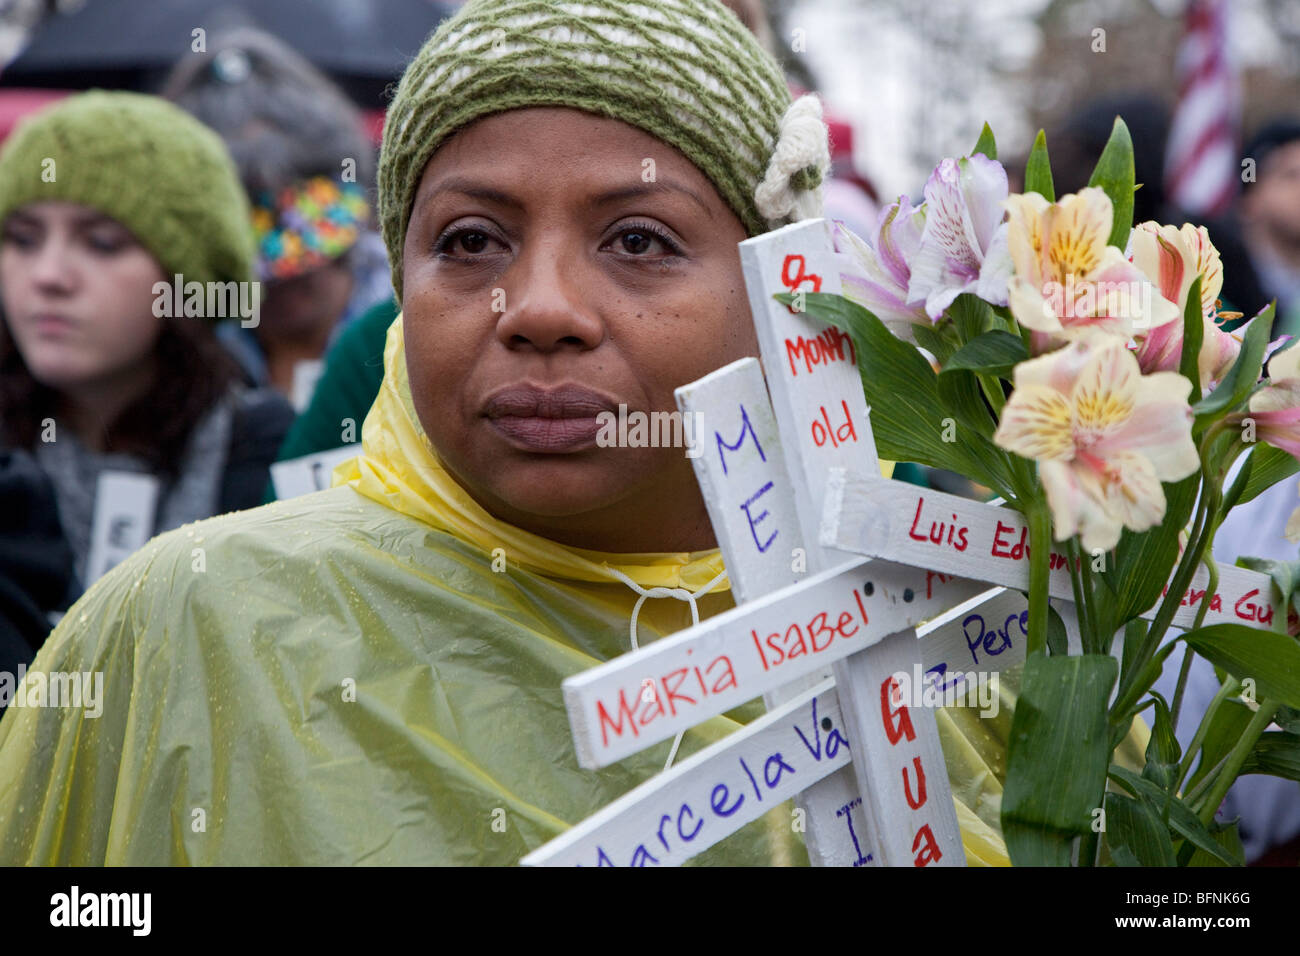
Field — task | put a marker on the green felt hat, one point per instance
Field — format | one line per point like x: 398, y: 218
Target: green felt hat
x: 684, y: 71
x: 144, y: 162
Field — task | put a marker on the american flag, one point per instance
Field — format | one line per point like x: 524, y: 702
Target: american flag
x: 1201, y: 164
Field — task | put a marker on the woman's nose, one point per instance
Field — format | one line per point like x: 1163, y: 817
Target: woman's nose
x: 50, y: 265
x: 545, y: 304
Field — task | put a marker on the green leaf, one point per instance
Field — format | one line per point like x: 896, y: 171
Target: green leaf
x: 1285, y: 576
x: 1181, y: 818
x: 1163, y: 752
x: 1243, y: 375
x: 1225, y: 729
x: 940, y: 341
x: 1276, y: 753
x: 907, y: 408
x: 1135, y: 635
x: 986, y: 145
x: 1038, y: 171
x: 1145, y: 561
x: 960, y: 393
x: 1193, y: 335
x: 1057, y: 756
x: 971, y: 317
x: 1228, y: 840
x: 1058, y: 639
x: 993, y: 353
x: 1288, y: 718
x: 1123, y: 856
x: 1114, y: 174
x: 1272, y: 660
x: 1134, y: 825
x: 1268, y: 466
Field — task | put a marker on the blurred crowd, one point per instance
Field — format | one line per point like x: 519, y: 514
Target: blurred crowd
x: 120, y: 419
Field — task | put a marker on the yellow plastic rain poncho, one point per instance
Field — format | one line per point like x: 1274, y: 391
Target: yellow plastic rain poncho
x: 343, y: 678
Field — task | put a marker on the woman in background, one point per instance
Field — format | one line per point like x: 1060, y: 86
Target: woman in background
x: 308, y: 169
x: 104, y: 199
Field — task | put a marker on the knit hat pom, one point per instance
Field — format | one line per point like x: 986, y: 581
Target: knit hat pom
x: 791, y: 188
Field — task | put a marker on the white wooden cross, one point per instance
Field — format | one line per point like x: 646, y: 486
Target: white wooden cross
x: 795, y: 495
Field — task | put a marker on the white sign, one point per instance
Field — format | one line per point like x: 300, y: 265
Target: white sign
x: 821, y: 410
x: 683, y: 812
x: 638, y: 699
x: 302, y: 476
x: 930, y: 529
x: 125, y: 505
x: 794, y: 751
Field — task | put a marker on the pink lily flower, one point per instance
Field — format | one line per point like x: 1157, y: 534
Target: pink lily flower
x: 1068, y: 279
x: 964, y: 245
x: 1104, y: 436
x: 1172, y: 258
x: 1275, y: 409
x: 877, y: 276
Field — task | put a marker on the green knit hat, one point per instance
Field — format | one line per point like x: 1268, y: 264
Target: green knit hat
x: 144, y: 162
x: 685, y: 71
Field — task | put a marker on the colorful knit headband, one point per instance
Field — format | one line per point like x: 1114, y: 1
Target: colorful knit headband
x: 306, y: 225
x: 685, y: 71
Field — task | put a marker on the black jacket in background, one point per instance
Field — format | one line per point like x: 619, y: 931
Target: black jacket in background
x: 36, y: 566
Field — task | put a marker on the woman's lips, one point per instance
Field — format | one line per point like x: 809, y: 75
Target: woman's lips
x: 552, y: 420
x: 52, y: 325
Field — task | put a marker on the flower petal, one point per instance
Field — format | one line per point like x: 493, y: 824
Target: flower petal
x: 1133, y: 495
x: 1075, y: 234
x: 1030, y: 308
x: 1076, y: 499
x: 1285, y: 365
x: 1105, y: 394
x: 1160, y: 428
x: 983, y: 189
x: 882, y: 302
x: 963, y: 203
x: 1207, y: 263
x: 1292, y: 532
x: 1025, y: 235
x: 995, y: 273
x: 1036, y: 424
x: 1274, y: 400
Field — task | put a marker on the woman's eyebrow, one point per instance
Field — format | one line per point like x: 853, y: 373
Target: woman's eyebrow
x: 90, y: 220
x: 644, y: 189
x: 468, y: 187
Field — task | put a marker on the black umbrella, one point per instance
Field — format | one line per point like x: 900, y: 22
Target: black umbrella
x: 365, y: 44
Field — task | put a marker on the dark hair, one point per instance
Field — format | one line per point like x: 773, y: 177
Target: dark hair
x: 282, y: 119
x: 1276, y: 133
x: 194, y: 372
x: 1078, y: 144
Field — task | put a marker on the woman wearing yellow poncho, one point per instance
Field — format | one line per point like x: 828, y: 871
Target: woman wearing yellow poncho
x: 350, y: 677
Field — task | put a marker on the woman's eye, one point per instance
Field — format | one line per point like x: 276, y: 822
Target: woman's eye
x: 12, y: 237
x: 639, y: 240
x: 472, y: 242
x: 106, y: 244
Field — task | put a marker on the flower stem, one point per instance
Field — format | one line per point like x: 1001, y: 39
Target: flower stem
x: 1040, y: 544
x: 1082, y: 606
x: 1177, y: 703
x: 1230, y: 687
x: 1236, y: 758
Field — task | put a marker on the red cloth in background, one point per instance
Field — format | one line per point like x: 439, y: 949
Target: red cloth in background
x: 17, y: 103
